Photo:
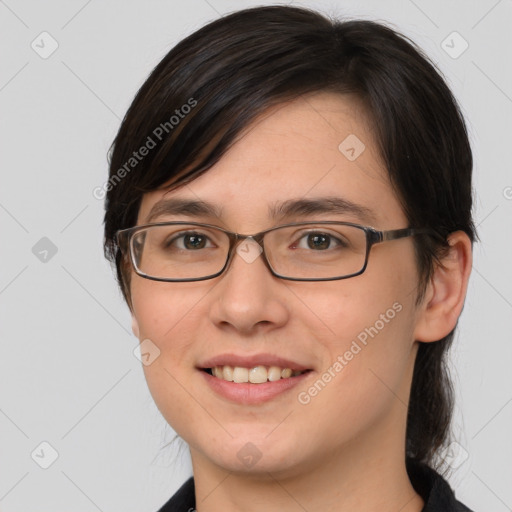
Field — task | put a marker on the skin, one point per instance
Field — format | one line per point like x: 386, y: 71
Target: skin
x: 344, y: 450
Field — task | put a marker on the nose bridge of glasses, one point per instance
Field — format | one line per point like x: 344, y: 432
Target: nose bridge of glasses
x: 247, y: 247
x: 237, y: 240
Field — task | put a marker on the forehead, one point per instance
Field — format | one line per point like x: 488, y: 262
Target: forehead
x: 317, y: 146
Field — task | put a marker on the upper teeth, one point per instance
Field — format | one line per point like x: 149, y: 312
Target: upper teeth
x: 255, y: 375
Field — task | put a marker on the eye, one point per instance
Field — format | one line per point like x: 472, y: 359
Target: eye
x: 189, y: 241
x: 317, y: 240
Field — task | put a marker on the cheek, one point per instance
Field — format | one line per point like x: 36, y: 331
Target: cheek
x: 165, y: 311
x: 171, y: 320
x: 365, y: 376
x: 367, y: 328
x: 360, y: 331
x: 375, y: 305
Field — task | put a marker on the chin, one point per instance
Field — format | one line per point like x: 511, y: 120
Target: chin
x: 257, y: 454
x: 261, y: 465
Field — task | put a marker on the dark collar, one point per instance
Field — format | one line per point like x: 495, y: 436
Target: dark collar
x: 433, y: 488
x: 430, y: 485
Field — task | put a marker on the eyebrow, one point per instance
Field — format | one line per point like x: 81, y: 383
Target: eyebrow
x: 279, y: 211
x: 188, y: 207
x: 330, y: 204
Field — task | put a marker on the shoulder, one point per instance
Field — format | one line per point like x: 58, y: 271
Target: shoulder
x: 433, y: 488
x: 430, y: 485
x: 183, y: 500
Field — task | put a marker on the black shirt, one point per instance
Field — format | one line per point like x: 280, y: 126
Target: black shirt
x: 430, y: 485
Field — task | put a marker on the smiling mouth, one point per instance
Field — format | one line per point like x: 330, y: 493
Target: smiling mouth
x: 254, y: 375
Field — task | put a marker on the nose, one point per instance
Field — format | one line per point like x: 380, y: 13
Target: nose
x: 248, y: 298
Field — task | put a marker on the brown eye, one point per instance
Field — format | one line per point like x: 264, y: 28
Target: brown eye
x: 318, y: 241
x: 194, y: 241
x: 189, y: 241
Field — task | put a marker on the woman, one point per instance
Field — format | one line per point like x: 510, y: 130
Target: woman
x: 289, y: 212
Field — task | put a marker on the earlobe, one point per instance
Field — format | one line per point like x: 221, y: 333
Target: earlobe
x: 446, y: 291
x: 135, y: 326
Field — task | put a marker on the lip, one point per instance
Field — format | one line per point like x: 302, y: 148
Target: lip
x: 252, y: 394
x: 263, y: 359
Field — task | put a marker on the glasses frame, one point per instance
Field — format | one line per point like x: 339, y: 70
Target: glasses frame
x: 124, y: 240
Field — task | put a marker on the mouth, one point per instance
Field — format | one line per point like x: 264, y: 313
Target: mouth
x: 253, y: 386
x: 253, y: 379
x: 255, y: 375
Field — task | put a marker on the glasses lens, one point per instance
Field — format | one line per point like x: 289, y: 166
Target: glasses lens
x: 179, y: 251
x: 316, y: 251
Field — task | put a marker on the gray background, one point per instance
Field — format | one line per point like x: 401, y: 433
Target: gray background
x: 68, y: 373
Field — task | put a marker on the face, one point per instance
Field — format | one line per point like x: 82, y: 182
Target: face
x: 355, y: 336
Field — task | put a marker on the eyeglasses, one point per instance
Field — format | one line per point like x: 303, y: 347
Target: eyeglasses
x: 300, y: 251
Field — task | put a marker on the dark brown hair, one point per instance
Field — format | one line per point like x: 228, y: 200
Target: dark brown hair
x: 235, y: 68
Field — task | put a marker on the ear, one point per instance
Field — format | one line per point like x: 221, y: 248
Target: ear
x: 135, y: 326
x: 446, y: 291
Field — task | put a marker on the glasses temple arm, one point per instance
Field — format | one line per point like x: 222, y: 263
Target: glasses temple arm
x: 395, y: 234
